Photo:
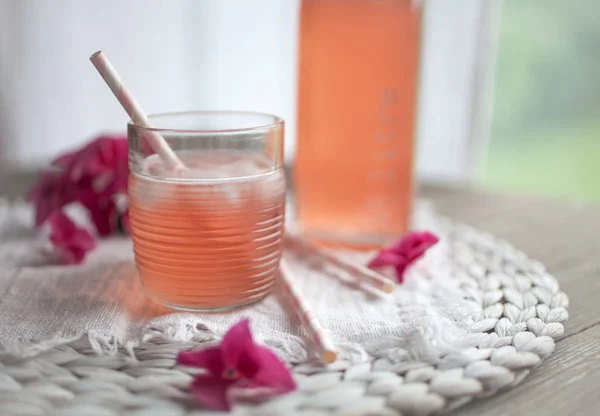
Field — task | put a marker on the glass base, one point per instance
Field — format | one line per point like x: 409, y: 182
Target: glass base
x: 198, y: 308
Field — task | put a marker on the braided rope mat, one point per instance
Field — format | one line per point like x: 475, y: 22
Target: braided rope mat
x: 521, y: 313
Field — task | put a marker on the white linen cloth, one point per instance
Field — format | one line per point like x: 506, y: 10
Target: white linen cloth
x: 43, y: 305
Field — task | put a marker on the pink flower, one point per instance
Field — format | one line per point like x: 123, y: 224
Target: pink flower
x: 70, y: 242
x: 103, y: 161
x: 238, y: 363
x: 92, y: 176
x: 404, y: 252
x: 48, y: 196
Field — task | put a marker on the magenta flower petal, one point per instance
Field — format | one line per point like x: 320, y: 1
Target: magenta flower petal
x: 404, y: 252
x: 48, y: 196
x: 70, y: 242
x: 103, y: 213
x: 415, y: 244
x: 400, y: 269
x: 212, y: 392
x: 273, y: 372
x: 64, y: 160
x: 208, y: 358
x: 385, y: 258
x: 92, y: 176
x: 62, y: 227
x: 239, y: 351
x: 238, y: 365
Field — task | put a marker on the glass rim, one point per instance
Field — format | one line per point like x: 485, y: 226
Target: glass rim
x: 276, y: 121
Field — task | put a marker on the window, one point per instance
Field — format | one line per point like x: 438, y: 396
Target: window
x: 545, y: 135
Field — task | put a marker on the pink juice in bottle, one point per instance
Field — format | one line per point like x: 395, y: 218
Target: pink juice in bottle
x: 357, y: 96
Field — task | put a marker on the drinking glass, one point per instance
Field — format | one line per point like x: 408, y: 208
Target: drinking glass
x: 208, y: 237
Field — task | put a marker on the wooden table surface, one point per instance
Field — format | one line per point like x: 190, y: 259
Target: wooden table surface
x: 565, y: 237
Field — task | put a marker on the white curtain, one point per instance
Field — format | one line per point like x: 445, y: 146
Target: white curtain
x: 173, y: 55
x: 201, y: 54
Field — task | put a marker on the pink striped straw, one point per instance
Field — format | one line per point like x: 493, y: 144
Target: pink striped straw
x: 133, y: 109
x: 365, y: 274
x: 305, y: 315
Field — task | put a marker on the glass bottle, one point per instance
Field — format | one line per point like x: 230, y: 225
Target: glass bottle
x: 357, y: 96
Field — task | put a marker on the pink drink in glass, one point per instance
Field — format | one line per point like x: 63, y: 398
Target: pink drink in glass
x: 208, y: 238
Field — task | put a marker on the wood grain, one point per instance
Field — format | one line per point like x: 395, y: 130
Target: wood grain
x: 564, y: 384
x: 565, y: 237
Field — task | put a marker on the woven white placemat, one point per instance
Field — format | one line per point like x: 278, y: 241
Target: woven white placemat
x: 515, y: 310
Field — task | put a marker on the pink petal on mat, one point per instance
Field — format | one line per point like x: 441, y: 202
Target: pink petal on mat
x: 70, y: 242
x: 385, y: 258
x: 208, y: 358
x: 415, y: 244
x: 239, y: 351
x: 237, y: 367
x: 212, y: 392
x: 404, y: 252
x: 273, y: 372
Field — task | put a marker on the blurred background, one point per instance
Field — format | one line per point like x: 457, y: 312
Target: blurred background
x: 509, y: 93
x: 545, y: 130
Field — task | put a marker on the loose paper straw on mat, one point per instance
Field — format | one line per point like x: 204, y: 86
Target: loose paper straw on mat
x: 133, y: 109
x: 365, y: 274
x: 303, y: 311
